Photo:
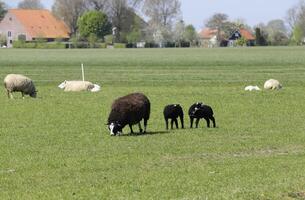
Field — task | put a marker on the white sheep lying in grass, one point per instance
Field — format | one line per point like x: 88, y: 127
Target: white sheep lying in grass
x: 251, y: 88
x: 19, y: 83
x: 77, y: 86
x: 272, y: 84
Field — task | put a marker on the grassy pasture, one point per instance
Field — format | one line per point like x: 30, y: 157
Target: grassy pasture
x: 58, y: 147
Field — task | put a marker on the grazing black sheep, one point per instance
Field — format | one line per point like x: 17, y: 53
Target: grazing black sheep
x: 130, y: 109
x: 199, y: 110
x: 172, y: 112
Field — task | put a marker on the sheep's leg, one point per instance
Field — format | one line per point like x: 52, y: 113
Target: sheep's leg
x: 172, y: 123
x: 197, y: 122
x: 140, y: 128
x: 145, y: 125
x: 208, y: 121
x: 22, y: 94
x: 214, y: 122
x: 166, y: 123
x: 191, y: 122
x: 182, y: 123
x: 176, y: 122
x: 130, y: 126
x: 9, y: 94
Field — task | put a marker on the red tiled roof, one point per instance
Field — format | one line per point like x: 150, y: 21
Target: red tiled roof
x: 246, y: 34
x: 41, y: 23
x: 208, y: 33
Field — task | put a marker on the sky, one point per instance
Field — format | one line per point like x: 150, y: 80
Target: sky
x: 197, y: 12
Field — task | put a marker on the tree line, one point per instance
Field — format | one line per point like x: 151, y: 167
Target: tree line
x: 122, y: 21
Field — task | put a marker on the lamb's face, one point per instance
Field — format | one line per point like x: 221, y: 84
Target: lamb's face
x: 115, y: 128
x: 62, y: 85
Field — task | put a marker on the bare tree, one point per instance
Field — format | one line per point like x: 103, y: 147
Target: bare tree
x: 296, y: 15
x: 122, y: 15
x: 162, y: 12
x: 99, y: 5
x: 30, y: 4
x: 162, y: 15
x: 69, y: 11
x: 218, y: 21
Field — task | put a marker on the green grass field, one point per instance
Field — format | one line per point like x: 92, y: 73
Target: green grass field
x: 58, y: 146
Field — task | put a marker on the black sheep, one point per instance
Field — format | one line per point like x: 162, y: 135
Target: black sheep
x: 129, y: 110
x: 199, y: 110
x: 172, y: 112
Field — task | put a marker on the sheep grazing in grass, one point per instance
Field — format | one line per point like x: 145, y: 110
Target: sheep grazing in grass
x: 77, y: 86
x: 272, y: 84
x: 199, y: 110
x: 19, y: 83
x: 128, y: 110
x: 172, y: 112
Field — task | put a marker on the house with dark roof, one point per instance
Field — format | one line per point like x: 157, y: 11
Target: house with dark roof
x: 242, y: 33
x: 32, y: 25
x: 208, y: 38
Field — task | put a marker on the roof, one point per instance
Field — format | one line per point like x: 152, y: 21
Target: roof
x: 41, y: 23
x: 246, y: 34
x: 208, y: 33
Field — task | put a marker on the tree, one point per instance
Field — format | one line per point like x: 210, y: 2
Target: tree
x: 122, y: 14
x: 3, y: 9
x: 298, y: 35
x: 94, y: 22
x: 30, y: 4
x: 179, y: 33
x: 69, y: 11
x: 161, y: 16
x: 190, y: 35
x: 277, y: 32
x: 218, y: 21
x: 296, y: 18
x: 260, y: 38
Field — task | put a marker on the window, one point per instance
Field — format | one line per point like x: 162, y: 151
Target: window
x: 11, y: 41
x: 11, y: 19
x: 9, y: 34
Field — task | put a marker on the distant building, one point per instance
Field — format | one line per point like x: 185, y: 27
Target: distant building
x: 247, y: 35
x: 32, y: 25
x: 208, y: 38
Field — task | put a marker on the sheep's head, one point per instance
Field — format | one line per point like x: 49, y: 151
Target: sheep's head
x: 115, y: 128
x: 34, y: 94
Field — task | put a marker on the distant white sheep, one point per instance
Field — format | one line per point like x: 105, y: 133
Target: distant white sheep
x: 251, y: 88
x: 19, y: 83
x: 77, y: 86
x: 272, y: 84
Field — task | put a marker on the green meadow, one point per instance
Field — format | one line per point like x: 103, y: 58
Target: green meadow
x: 57, y: 146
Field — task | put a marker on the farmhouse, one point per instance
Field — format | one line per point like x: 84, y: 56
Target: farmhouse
x: 242, y: 33
x: 208, y: 38
x: 32, y: 25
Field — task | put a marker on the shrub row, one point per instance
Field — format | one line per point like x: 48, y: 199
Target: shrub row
x: 38, y: 45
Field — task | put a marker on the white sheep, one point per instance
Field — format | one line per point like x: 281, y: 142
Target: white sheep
x: 251, y: 88
x: 77, y: 86
x: 19, y: 83
x: 272, y: 84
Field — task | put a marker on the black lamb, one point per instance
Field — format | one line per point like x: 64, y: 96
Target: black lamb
x: 128, y: 110
x: 172, y: 112
x: 199, y: 110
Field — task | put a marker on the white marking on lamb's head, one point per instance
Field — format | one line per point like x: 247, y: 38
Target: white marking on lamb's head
x: 115, y: 129
x: 62, y: 85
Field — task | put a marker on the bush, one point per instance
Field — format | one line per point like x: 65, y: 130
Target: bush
x: 108, y: 39
x: 38, y: 45
x: 119, y: 45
